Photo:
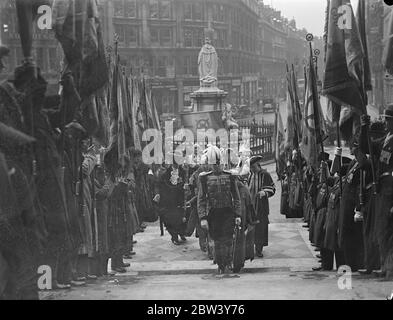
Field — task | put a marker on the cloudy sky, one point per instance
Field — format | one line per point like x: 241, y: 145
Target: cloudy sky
x: 309, y: 14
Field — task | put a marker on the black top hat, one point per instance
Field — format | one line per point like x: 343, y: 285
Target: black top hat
x: 388, y: 114
x: 255, y: 159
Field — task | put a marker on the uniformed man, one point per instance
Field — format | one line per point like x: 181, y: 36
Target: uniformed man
x: 330, y: 245
x: 372, y: 260
x: 350, y: 234
x: 219, y: 208
x: 384, y: 199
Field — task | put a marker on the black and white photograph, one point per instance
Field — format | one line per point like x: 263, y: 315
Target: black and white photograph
x: 201, y: 153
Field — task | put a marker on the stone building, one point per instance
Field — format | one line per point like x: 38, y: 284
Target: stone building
x: 160, y: 39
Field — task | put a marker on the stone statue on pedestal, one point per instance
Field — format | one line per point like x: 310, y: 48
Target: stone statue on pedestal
x: 208, y: 65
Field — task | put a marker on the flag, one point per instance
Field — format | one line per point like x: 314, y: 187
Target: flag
x: 289, y: 137
x: 136, y: 120
x: 279, y: 143
x: 342, y: 82
x: 77, y: 28
x: 313, y: 123
x: 388, y: 47
x: 296, y: 104
x: 361, y: 20
x: 292, y: 131
x: 347, y: 73
x: 121, y: 131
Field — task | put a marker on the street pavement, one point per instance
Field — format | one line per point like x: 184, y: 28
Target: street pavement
x: 161, y: 271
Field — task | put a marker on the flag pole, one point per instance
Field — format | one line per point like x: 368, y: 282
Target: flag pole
x: 339, y: 146
x: 316, y: 112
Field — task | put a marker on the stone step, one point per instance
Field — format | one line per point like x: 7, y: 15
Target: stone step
x: 206, y: 266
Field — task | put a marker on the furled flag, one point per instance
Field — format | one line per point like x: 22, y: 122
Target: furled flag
x: 279, y: 143
x: 292, y: 131
x: 343, y: 81
x: 388, y: 47
x: 314, y: 123
x: 77, y: 27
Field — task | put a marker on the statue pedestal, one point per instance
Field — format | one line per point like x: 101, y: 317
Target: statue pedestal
x: 208, y: 99
x: 207, y: 106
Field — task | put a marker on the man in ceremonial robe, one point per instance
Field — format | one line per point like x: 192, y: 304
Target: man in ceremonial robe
x: 170, y: 198
x: 262, y: 188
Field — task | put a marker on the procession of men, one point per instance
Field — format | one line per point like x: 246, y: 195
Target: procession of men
x: 76, y: 189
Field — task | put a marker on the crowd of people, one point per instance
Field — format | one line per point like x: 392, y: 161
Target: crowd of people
x: 227, y: 209
x: 347, y: 203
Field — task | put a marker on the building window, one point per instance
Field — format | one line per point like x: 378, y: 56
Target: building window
x: 193, y: 11
x: 118, y: 8
x: 187, y: 65
x: 222, y: 38
x: 198, y: 38
x: 131, y: 9
x: 218, y: 12
x: 197, y: 11
x: 154, y: 36
x: 132, y: 36
x: 165, y: 37
x: 165, y: 9
x: 161, y: 36
x: 161, y: 66
x: 154, y: 9
x: 160, y: 9
x: 187, y: 11
x: 188, y: 38
x: 194, y: 65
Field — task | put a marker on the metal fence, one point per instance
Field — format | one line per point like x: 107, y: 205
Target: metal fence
x: 261, y: 138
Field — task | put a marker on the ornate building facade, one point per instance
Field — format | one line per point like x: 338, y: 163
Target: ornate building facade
x: 160, y: 39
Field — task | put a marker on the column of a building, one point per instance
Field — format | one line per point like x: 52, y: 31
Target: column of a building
x: 145, y: 27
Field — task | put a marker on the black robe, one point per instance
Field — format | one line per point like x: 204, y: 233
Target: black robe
x: 171, y: 204
x: 261, y: 181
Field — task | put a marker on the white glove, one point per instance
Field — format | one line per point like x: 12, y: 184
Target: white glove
x: 156, y: 198
x: 204, y: 224
x: 261, y: 194
x: 358, y: 216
